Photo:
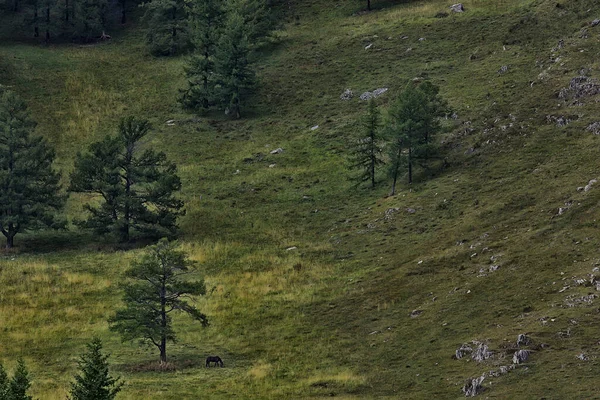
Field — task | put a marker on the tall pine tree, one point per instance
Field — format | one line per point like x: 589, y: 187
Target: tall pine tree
x: 167, y: 27
x: 29, y: 187
x: 136, y: 186
x: 205, y: 23
x: 157, y: 288
x: 366, y: 152
x: 233, y: 70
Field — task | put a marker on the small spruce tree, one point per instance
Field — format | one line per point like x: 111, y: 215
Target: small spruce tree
x: 94, y: 382
x: 4, y: 383
x: 20, y: 383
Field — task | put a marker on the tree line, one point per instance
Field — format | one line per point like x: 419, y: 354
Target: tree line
x: 133, y: 186
x: 407, y: 132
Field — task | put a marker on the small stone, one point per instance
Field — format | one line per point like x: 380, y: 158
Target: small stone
x: 347, y: 95
x: 291, y: 248
x: 367, y: 47
x: 457, y: 8
x: 277, y: 151
x: 314, y: 128
x: 272, y: 165
x: 503, y: 69
x: 583, y: 357
x: 595, y: 22
x: 415, y: 313
x: 411, y: 210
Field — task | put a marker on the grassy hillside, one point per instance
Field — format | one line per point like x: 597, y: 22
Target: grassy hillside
x: 372, y: 300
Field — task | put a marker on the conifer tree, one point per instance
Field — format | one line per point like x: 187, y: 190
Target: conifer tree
x: 89, y: 19
x: 19, y: 383
x: 205, y: 22
x: 412, y: 124
x: 167, y: 30
x: 94, y: 382
x: 4, y: 383
x: 136, y: 186
x: 154, y: 290
x: 29, y: 187
x: 234, y: 74
x: 367, y: 152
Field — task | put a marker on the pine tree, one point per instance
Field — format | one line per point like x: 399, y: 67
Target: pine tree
x: 367, y: 152
x: 136, y: 187
x: 167, y: 31
x: 234, y: 74
x: 94, y: 381
x: 29, y: 188
x: 20, y: 383
x: 4, y: 383
x: 89, y: 19
x: 156, y: 289
x: 205, y: 22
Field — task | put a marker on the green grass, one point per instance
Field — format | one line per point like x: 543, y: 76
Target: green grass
x: 333, y: 315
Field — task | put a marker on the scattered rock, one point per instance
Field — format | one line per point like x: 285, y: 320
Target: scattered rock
x: 367, y: 47
x: 462, y: 351
x: 291, y: 248
x: 237, y: 172
x: 347, y: 95
x: 523, y: 340
x: 588, y: 187
x: 594, y: 127
x: 473, y: 386
x: 595, y: 22
x: 272, y: 165
x: 314, y: 128
x: 170, y: 122
x: 411, y: 210
x: 421, y: 39
x: 520, y: 356
x: 503, y: 69
x: 560, y: 120
x: 457, y: 8
x: 502, y: 370
x: 375, y: 93
x: 583, y: 357
x: 390, y: 212
x: 415, y: 313
x: 580, y: 86
x: 481, y: 353
x: 277, y: 151
x: 573, y: 301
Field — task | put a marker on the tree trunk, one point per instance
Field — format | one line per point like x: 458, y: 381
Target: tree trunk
x: 410, y: 165
x: 67, y: 11
x: 10, y: 241
x: 372, y: 166
x: 123, y: 14
x: 369, y: 5
x: 48, y: 23
x: 163, y: 323
x: 36, y: 29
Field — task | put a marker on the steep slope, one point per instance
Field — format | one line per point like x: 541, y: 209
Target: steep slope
x: 317, y: 287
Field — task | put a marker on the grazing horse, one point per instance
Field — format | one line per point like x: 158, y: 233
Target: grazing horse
x: 214, y: 359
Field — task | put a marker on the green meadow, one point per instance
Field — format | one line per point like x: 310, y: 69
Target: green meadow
x: 317, y: 287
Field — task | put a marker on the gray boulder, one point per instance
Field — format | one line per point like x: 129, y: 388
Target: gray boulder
x: 457, y: 8
x: 473, y: 386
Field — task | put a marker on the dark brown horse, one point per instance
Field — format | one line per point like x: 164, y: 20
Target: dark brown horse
x: 214, y: 359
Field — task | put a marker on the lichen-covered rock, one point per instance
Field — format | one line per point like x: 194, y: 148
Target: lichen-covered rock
x: 481, y: 353
x: 457, y: 8
x: 347, y: 95
x: 520, y: 356
x: 473, y: 386
x: 462, y: 351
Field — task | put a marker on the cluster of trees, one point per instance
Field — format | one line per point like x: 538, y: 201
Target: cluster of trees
x: 134, y: 186
x: 408, y: 133
x: 93, y: 382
